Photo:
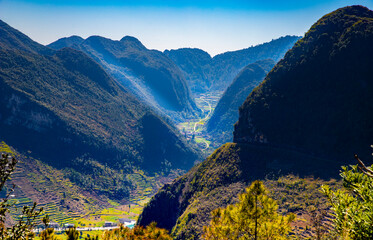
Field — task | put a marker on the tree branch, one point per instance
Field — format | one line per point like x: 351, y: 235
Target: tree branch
x: 363, y: 168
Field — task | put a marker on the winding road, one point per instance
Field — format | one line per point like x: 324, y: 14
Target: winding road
x: 202, y: 122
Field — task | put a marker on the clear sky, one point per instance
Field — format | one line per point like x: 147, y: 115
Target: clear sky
x: 213, y: 25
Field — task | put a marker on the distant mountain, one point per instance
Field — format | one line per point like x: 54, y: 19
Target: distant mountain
x: 225, y: 115
x: 13, y: 39
x: 66, y: 42
x: 61, y: 107
x: 149, y: 74
x: 196, y: 66
x: 309, y: 116
x: 216, y: 74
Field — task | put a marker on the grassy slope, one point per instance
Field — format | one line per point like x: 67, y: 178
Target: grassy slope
x: 185, y: 205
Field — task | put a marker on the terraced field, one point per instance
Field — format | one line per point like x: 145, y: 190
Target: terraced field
x: 90, y: 215
x: 64, y: 202
x: 51, y: 209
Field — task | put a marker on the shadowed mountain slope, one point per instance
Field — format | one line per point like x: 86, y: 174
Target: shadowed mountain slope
x: 195, y: 65
x: 67, y: 111
x: 225, y: 115
x: 148, y: 74
x: 317, y: 98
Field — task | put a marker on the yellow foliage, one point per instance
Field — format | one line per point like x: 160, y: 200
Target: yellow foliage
x: 151, y: 232
x: 255, y: 216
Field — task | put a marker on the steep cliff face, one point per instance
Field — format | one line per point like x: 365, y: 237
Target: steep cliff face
x: 225, y: 115
x: 317, y: 98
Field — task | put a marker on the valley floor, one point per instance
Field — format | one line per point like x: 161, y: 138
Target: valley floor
x: 194, y: 129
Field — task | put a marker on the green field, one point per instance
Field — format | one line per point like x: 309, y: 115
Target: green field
x: 194, y: 129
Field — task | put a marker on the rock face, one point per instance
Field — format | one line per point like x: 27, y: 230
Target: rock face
x: 205, y: 74
x: 311, y: 113
x: 51, y: 101
x: 148, y: 74
x: 225, y: 115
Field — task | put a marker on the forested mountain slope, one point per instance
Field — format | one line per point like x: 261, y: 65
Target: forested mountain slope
x: 216, y: 74
x: 148, y: 74
x: 317, y: 98
x: 66, y: 42
x: 195, y: 65
x: 225, y: 115
x: 64, y: 109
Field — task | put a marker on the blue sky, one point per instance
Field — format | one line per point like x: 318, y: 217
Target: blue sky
x: 212, y: 25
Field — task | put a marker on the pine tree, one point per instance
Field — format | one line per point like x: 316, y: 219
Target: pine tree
x: 255, y: 216
x: 353, y: 206
x: 151, y: 232
x: 72, y: 234
x: 48, y: 234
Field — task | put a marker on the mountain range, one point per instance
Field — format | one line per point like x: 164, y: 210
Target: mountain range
x: 309, y: 116
x: 206, y: 74
x: 148, y: 74
x: 93, y: 111
x: 61, y: 107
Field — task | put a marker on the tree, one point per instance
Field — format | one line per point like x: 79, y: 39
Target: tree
x: 255, y: 216
x: 353, y: 206
x: 91, y: 238
x: 22, y: 228
x: 72, y: 234
x: 151, y: 232
x: 48, y: 233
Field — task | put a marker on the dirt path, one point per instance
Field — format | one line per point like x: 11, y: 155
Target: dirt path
x: 202, y: 121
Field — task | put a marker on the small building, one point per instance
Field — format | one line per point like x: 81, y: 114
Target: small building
x: 109, y: 224
x: 125, y: 221
x: 53, y: 225
x: 69, y: 225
